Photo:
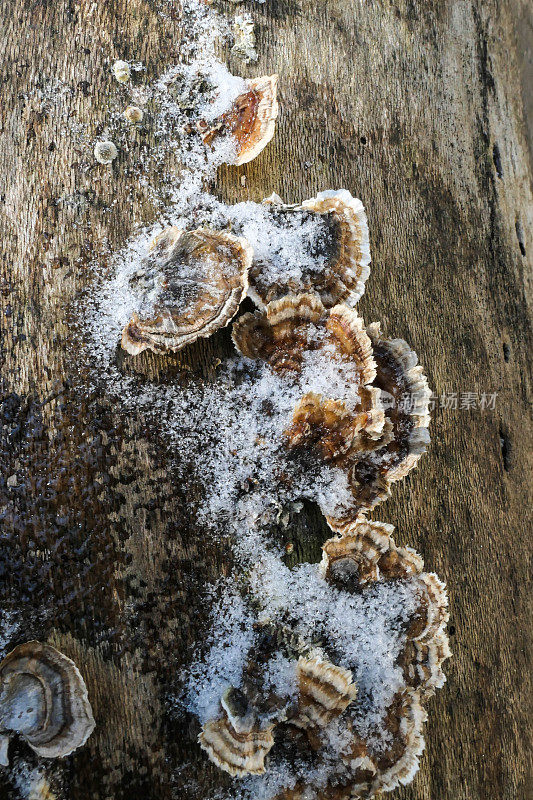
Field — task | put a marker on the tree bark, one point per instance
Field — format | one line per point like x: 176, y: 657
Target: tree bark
x: 416, y: 108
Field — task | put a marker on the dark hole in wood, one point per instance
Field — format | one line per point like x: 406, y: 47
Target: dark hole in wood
x: 496, y: 157
x: 505, y: 445
x: 363, y: 139
x: 520, y: 236
x: 451, y: 630
x: 506, y: 352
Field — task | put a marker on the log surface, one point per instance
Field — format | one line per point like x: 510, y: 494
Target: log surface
x: 417, y: 107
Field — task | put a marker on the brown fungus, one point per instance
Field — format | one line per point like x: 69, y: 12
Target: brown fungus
x: 365, y: 553
x: 191, y: 284
x: 406, y: 396
x: 44, y: 700
x: 235, y: 742
x: 290, y: 332
x: 324, y: 691
x: 251, y: 120
x: 343, y: 245
x: 329, y: 427
x: 281, y: 334
x: 292, y: 326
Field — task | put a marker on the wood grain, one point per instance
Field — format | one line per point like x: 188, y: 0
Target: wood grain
x: 416, y: 107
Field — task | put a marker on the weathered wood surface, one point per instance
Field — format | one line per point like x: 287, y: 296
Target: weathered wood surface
x: 416, y: 107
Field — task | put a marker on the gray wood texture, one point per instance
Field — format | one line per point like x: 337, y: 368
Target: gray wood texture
x: 416, y: 106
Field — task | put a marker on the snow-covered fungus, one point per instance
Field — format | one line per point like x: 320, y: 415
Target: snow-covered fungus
x: 190, y: 285
x: 343, y: 657
x: 105, y: 152
x: 365, y: 552
x: 296, y: 334
x: 337, y: 259
x: 251, y: 120
x: 122, y: 71
x: 44, y: 700
x: 329, y: 426
x: 282, y: 334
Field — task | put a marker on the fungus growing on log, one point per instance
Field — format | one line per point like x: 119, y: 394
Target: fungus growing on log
x: 339, y: 262
x: 44, y: 700
x: 190, y: 285
x: 235, y: 742
x: 336, y: 678
x: 251, y: 120
x: 380, y: 438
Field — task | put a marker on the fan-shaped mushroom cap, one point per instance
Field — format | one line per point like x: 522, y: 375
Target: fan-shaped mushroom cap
x: 402, y: 377
x: 351, y: 267
x: 294, y: 324
x: 375, y: 450
x: 296, y: 335
x: 421, y: 663
x: 251, y: 120
x: 281, y: 334
x: 199, y: 278
x: 325, y: 691
x: 399, y: 764
x: 342, y: 251
x: 350, y: 339
x: 366, y: 552
x: 330, y: 426
x: 235, y: 742
x: 43, y: 698
x: 363, y: 774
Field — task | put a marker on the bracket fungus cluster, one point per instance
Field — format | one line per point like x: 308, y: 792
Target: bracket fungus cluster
x: 345, y: 250
x: 318, y: 690
x: 44, y: 700
x: 377, y: 441
x: 343, y: 740
x: 350, y: 725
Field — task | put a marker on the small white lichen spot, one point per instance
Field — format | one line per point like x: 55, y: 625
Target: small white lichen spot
x: 121, y: 70
x: 105, y: 152
x: 134, y: 114
x: 244, y: 38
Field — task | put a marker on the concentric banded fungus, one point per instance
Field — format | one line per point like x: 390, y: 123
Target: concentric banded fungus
x: 298, y: 330
x: 405, y: 434
x: 364, y: 553
x: 251, y: 120
x: 344, y: 246
x: 328, y: 425
x: 343, y: 658
x: 193, y: 284
x: 281, y: 334
x: 290, y: 327
x: 235, y: 742
x: 325, y: 691
x: 43, y: 698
